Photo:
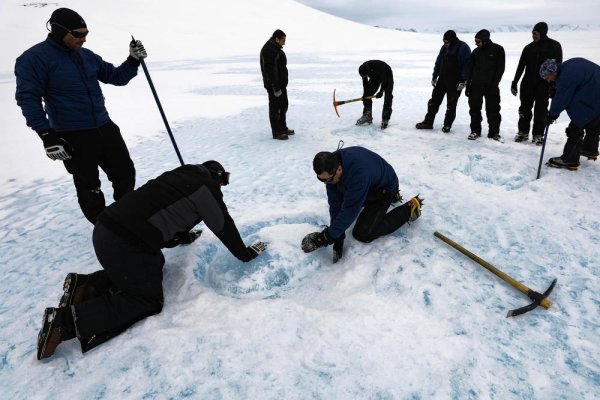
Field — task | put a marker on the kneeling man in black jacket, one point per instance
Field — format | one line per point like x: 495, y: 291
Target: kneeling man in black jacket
x: 128, y: 238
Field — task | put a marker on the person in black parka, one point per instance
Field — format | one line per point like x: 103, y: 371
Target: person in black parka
x: 449, y: 79
x: 128, y: 239
x: 273, y: 65
x: 375, y: 75
x: 534, y: 90
x: 485, y: 73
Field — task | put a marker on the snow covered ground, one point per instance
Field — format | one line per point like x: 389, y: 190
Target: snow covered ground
x: 406, y: 317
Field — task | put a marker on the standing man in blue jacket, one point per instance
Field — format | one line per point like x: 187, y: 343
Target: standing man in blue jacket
x: 577, y: 92
x: 358, y: 179
x: 449, y: 79
x: 59, y: 94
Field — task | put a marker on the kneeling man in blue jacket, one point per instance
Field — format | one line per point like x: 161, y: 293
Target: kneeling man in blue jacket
x: 361, y: 186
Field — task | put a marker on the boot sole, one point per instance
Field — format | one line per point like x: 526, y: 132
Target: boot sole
x: 570, y: 168
x: 69, y: 287
x: 47, y: 339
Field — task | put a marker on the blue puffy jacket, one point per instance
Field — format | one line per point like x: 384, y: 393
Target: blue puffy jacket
x: 577, y: 91
x: 67, y: 82
x: 364, y: 173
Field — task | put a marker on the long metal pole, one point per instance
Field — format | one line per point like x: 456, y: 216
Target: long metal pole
x: 542, y: 155
x: 162, y: 113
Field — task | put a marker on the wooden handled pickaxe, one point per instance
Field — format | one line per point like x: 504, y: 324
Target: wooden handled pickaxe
x: 539, y: 299
x: 339, y: 103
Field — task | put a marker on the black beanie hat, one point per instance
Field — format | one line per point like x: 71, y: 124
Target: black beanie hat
x: 450, y: 35
x: 64, y: 19
x: 542, y: 28
x: 217, y: 171
x: 483, y: 35
x: 278, y: 34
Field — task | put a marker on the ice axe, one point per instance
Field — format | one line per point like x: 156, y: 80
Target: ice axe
x: 339, y: 103
x: 539, y: 299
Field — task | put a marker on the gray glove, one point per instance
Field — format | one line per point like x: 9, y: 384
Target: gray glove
x: 255, y: 250
x: 434, y: 81
x: 277, y: 92
x: 460, y: 86
x: 137, y: 50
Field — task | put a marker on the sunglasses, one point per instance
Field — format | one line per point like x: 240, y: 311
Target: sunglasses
x: 446, y: 41
x: 75, y: 34
x: 327, y: 180
x: 477, y: 41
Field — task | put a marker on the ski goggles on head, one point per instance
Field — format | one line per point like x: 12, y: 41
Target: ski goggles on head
x: 75, y: 34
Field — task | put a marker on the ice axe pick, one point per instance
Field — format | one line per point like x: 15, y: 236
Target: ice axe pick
x: 339, y: 103
x: 539, y: 299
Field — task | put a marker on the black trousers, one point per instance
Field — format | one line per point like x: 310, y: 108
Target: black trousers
x: 574, y: 145
x: 375, y: 220
x: 135, y: 292
x: 105, y: 148
x: 437, y: 96
x: 278, y: 107
x: 388, y: 99
x: 535, y: 97
x: 492, y: 109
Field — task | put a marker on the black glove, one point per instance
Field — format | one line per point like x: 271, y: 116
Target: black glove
x: 550, y: 119
x: 552, y: 90
x: 460, y: 86
x: 316, y: 240
x: 184, y: 238
x: 254, y: 250
x: 434, y: 81
x: 379, y: 95
x: 468, y: 89
x: 513, y: 88
x: 338, y: 249
x: 56, y: 147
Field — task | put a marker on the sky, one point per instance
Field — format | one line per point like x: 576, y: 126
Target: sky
x: 467, y: 14
x: 404, y: 317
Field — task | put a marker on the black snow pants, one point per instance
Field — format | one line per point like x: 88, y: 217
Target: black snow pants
x: 533, y: 96
x: 105, y: 148
x: 375, y: 221
x: 492, y: 109
x: 136, y: 291
x: 278, y: 107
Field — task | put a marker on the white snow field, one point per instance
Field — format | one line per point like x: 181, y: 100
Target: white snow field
x: 405, y: 317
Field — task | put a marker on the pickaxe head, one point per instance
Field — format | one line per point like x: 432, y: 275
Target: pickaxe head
x: 335, y: 104
x: 538, y: 299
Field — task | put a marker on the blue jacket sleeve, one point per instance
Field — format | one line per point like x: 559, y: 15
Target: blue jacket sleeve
x: 31, y: 81
x: 350, y: 207
x: 118, y: 76
x: 565, y: 90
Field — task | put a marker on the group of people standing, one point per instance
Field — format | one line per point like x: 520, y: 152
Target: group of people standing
x: 574, y: 87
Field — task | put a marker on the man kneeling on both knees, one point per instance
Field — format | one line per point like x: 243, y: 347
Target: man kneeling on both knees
x: 128, y: 239
x: 358, y: 179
